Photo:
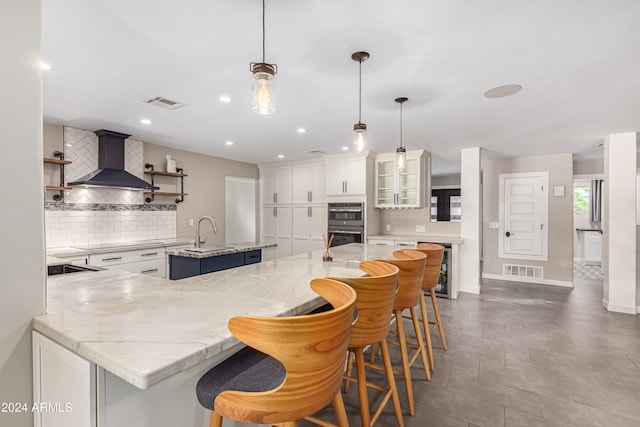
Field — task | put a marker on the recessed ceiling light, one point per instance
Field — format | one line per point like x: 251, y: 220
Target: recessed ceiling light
x: 224, y: 98
x: 345, y: 148
x: 46, y: 67
x: 229, y: 143
x: 502, y: 91
x: 301, y: 130
x: 281, y: 156
x: 145, y: 121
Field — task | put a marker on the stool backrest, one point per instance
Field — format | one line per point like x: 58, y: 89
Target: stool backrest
x: 411, y: 265
x: 312, y: 348
x: 434, y: 255
x: 374, y: 302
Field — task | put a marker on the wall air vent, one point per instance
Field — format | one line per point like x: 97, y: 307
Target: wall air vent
x: 523, y: 271
x: 162, y: 102
x: 315, y: 151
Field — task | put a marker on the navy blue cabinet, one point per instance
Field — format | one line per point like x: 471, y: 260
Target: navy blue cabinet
x: 182, y: 267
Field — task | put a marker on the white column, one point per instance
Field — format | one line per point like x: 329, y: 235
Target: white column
x: 619, y: 224
x: 470, y: 183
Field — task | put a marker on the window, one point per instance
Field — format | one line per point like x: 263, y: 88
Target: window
x: 581, y: 200
x: 446, y: 205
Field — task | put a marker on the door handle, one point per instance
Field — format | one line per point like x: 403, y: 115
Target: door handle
x: 507, y: 234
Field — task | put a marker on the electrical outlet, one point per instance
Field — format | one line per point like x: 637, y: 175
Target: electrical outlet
x: 388, y: 227
x: 420, y: 229
x: 190, y: 222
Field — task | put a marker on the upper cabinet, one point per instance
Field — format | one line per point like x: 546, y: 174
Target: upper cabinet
x: 347, y: 175
x: 309, y: 183
x: 402, y: 188
x: 276, y: 184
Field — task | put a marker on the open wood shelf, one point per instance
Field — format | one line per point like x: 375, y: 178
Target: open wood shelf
x: 165, y: 173
x: 164, y: 193
x: 56, y: 161
x: 58, y: 188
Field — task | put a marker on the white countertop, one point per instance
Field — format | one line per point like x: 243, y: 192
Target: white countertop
x: 98, y: 248
x: 146, y: 329
x: 230, y: 248
x: 452, y: 240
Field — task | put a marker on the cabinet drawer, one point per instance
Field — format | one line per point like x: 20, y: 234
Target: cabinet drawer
x: 152, y: 267
x: 383, y: 242
x: 253, y: 257
x: 122, y: 257
x: 222, y: 262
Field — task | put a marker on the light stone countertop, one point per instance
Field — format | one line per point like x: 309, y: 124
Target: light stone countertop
x: 230, y: 248
x: 83, y: 250
x: 451, y: 240
x: 146, y: 329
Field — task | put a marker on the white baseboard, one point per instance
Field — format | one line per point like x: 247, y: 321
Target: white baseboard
x: 528, y: 280
x: 627, y: 309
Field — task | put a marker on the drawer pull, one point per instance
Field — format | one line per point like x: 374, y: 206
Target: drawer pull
x: 112, y: 259
x: 149, y: 254
x: 153, y: 270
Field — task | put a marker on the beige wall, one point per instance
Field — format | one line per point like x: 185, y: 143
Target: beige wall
x: 445, y: 180
x: 22, y: 289
x: 560, y: 227
x: 205, y: 186
x: 588, y: 167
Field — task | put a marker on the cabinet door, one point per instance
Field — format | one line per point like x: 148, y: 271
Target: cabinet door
x: 335, y: 177
x: 409, y: 184
x: 385, y: 182
x: 269, y: 226
x: 284, y: 219
x: 285, y: 184
x: 355, y: 176
x: 318, y: 183
x: 268, y: 185
x: 301, y: 183
x: 301, y: 226
x: 317, y: 227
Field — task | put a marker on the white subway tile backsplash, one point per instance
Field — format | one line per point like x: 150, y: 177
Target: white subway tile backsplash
x: 79, y: 228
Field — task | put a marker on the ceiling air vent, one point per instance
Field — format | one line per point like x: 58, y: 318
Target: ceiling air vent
x: 315, y: 151
x: 163, y: 102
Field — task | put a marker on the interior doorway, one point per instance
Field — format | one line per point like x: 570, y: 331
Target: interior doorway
x: 587, y: 235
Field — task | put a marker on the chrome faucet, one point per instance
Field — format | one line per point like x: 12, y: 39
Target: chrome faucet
x: 213, y: 223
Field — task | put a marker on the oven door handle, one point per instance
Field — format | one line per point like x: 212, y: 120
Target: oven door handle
x: 345, y: 232
x: 344, y: 210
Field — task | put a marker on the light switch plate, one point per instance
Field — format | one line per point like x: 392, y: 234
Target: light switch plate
x: 388, y: 227
x: 420, y: 229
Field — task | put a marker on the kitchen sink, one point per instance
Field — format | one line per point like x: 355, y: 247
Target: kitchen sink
x: 205, y: 249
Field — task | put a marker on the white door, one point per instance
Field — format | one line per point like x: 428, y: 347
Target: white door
x: 335, y: 177
x: 301, y: 224
x: 284, y: 219
x: 301, y: 183
x: 523, y: 223
x: 355, y: 174
x: 318, y: 226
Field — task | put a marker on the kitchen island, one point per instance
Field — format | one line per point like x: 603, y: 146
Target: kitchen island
x: 138, y: 344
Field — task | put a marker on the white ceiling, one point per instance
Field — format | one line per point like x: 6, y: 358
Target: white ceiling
x: 577, y: 60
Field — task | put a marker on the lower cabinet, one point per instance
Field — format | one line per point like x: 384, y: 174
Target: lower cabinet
x: 141, y: 261
x: 182, y: 267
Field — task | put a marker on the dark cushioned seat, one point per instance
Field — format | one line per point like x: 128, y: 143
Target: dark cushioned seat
x: 247, y: 370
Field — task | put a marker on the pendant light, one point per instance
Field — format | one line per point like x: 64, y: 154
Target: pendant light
x: 401, y: 152
x: 263, y: 74
x: 360, y: 128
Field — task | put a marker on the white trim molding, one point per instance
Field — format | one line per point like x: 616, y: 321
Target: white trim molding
x: 535, y: 281
x: 627, y: 309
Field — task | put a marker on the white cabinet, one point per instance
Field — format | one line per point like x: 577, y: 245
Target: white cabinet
x: 63, y: 379
x: 276, y: 228
x: 141, y: 261
x: 390, y: 242
x: 276, y: 184
x: 309, y: 228
x: 347, y: 176
x: 309, y: 183
x: 592, y: 247
x: 402, y: 188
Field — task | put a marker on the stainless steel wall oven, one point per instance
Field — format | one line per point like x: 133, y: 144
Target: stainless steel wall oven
x: 346, y: 223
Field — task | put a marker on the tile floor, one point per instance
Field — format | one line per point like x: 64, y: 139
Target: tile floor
x: 526, y: 355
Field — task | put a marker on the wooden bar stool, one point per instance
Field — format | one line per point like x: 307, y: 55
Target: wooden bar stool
x: 434, y: 255
x: 292, y: 369
x: 411, y: 265
x: 375, y: 306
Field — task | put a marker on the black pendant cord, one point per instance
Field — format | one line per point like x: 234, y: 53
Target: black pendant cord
x: 360, y: 94
x: 263, y: 30
x: 401, y: 125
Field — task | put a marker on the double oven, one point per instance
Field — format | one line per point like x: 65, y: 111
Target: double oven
x: 346, y: 223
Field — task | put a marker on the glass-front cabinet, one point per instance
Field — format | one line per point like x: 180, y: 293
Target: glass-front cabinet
x: 402, y: 188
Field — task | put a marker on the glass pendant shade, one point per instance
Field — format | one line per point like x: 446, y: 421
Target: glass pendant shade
x: 401, y: 158
x: 262, y: 98
x: 360, y: 142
